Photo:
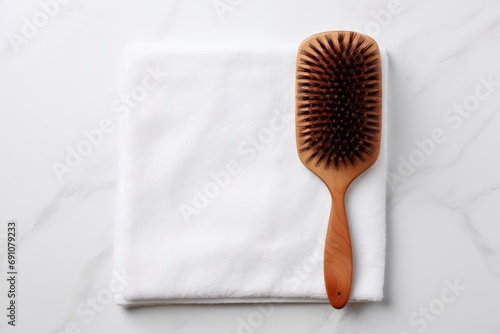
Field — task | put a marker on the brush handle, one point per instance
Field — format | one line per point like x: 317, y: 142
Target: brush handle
x: 338, y: 254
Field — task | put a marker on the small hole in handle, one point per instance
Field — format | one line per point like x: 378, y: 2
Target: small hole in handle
x: 339, y: 293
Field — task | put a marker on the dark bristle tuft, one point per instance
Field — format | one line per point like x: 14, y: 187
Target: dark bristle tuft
x: 339, y: 100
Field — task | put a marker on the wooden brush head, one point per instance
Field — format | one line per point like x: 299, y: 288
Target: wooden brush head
x: 338, y: 105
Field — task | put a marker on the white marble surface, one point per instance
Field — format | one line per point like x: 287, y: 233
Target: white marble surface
x: 60, y: 79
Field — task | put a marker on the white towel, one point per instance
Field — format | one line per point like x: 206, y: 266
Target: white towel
x: 214, y: 205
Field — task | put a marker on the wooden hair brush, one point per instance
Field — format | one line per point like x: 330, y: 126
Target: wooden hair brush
x: 338, y: 129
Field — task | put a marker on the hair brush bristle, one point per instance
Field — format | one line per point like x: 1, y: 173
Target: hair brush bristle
x: 339, y: 99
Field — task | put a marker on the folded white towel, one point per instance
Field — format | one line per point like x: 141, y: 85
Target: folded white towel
x: 214, y: 205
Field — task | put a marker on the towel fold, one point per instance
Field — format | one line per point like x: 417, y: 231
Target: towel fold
x: 214, y: 205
